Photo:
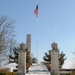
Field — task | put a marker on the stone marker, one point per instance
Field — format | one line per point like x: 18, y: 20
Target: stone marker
x: 22, y: 60
x: 54, y: 59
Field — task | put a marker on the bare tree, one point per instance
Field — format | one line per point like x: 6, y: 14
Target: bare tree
x: 6, y: 31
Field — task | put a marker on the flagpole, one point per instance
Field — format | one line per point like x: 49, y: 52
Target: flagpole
x: 36, y: 13
x: 37, y: 37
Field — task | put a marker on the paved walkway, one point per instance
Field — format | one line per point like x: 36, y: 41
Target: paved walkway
x: 38, y: 69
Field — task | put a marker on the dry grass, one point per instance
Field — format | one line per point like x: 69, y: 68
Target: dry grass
x: 3, y: 70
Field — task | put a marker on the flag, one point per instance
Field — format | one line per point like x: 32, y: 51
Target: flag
x: 36, y: 11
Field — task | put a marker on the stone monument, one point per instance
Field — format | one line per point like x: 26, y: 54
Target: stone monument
x: 28, y: 42
x: 54, y: 59
x: 22, y: 60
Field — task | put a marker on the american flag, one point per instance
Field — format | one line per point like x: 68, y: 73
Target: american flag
x: 36, y: 11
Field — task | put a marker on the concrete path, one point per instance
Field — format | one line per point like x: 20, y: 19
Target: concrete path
x: 38, y: 69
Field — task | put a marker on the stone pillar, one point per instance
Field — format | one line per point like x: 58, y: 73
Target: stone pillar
x: 54, y: 59
x: 22, y: 60
x: 28, y: 42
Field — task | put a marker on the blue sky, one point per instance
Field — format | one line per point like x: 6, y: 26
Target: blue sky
x: 56, y: 23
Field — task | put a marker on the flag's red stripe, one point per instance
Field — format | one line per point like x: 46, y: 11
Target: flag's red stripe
x: 36, y: 11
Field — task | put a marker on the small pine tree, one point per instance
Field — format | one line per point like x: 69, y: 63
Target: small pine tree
x: 14, y: 56
x: 61, y: 59
x: 28, y: 57
x: 47, y: 58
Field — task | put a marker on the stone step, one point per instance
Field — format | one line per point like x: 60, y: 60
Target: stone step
x: 38, y: 69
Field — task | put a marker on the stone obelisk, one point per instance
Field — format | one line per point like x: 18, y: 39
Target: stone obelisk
x: 22, y: 60
x: 28, y: 42
x: 54, y: 59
